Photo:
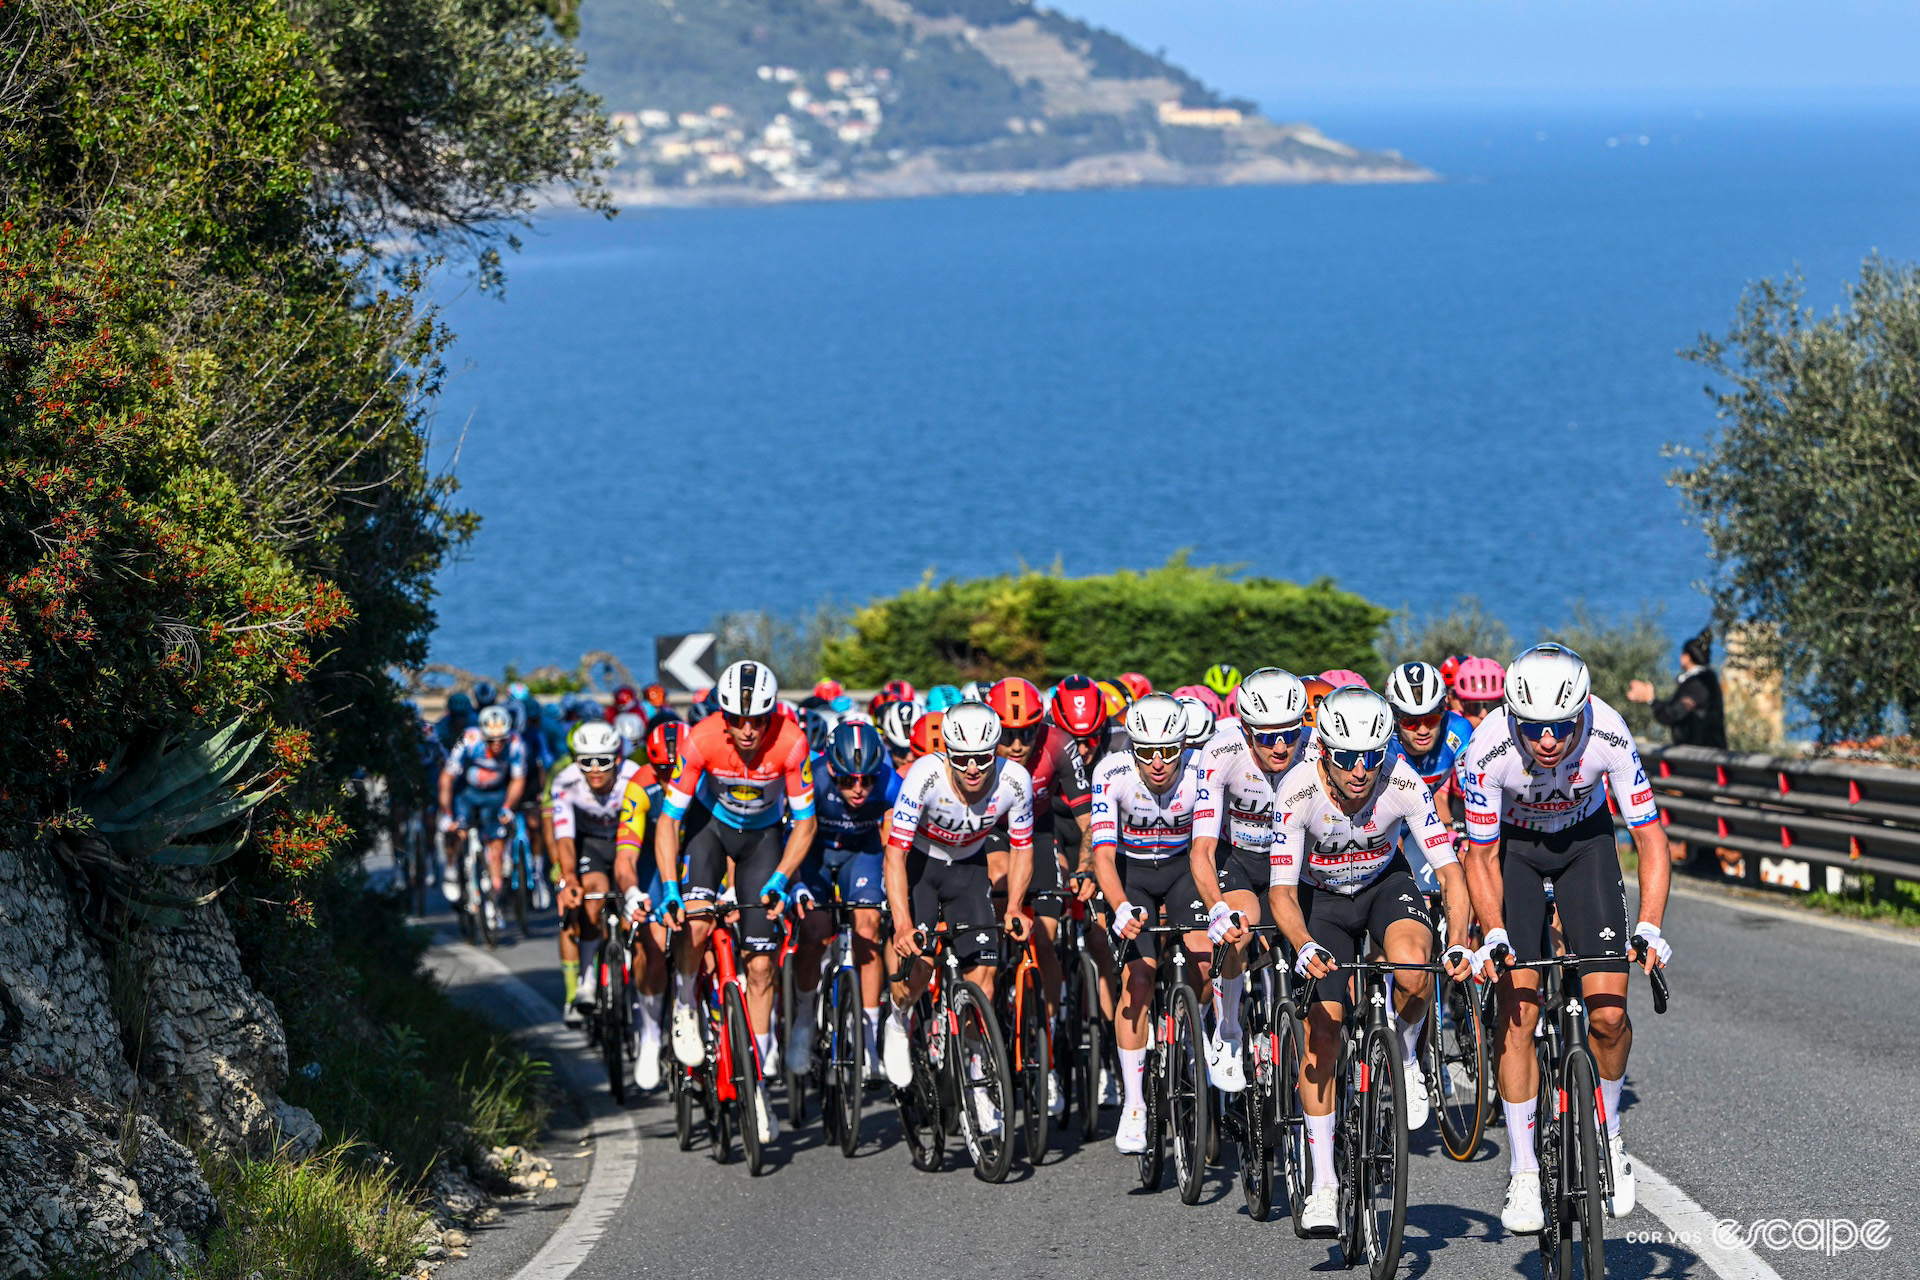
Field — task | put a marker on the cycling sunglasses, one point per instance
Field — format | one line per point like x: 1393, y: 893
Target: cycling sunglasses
x: 1026, y: 733
x: 743, y: 722
x: 1279, y: 737
x: 596, y: 764
x: 964, y: 760
x: 1346, y: 760
x: 1429, y: 721
x: 1477, y: 708
x: 1534, y: 730
x: 1170, y: 752
x: 849, y: 779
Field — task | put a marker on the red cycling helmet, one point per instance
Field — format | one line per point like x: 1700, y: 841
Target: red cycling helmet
x: 1135, y: 683
x: 828, y: 689
x: 1079, y: 706
x: 663, y: 744
x: 891, y: 691
x: 927, y: 738
x: 1480, y: 680
x: 625, y: 699
x: 1017, y: 702
x: 654, y: 695
x: 1451, y: 667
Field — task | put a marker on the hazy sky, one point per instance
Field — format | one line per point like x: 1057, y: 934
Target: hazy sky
x: 1336, y: 48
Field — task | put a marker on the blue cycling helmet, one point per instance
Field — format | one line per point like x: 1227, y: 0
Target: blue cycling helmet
x: 483, y: 695
x: 818, y: 730
x: 942, y: 696
x: 856, y: 749
x: 459, y: 704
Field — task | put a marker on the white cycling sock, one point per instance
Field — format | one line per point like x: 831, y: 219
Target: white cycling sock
x: 766, y: 1046
x: 1133, y: 1074
x: 873, y: 1031
x: 1409, y: 1037
x: 1227, y: 1010
x: 1320, y: 1147
x: 1520, y: 1156
x: 683, y: 987
x: 1610, y: 1096
x: 646, y: 1011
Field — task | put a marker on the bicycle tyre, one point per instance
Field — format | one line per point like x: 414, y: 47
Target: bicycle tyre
x: 1256, y: 1101
x: 849, y: 1062
x: 608, y: 999
x: 1089, y: 1047
x: 486, y: 921
x: 1585, y: 1156
x: 677, y: 1085
x: 1383, y: 1151
x: 979, y: 1043
x: 1295, y: 1161
x: 1556, y: 1249
x: 1456, y: 1064
x: 1189, y: 1104
x: 746, y: 1080
x: 522, y: 889
x: 920, y: 1107
x: 1036, y: 1060
x: 789, y: 1019
x: 718, y: 1126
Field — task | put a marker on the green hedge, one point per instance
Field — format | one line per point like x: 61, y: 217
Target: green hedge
x: 1169, y: 623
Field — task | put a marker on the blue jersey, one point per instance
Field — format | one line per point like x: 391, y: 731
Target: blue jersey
x: 1436, y: 766
x: 476, y: 770
x: 844, y: 827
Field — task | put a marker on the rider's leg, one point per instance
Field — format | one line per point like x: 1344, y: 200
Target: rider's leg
x: 1322, y: 1054
x: 1519, y: 1074
x: 1410, y: 942
x: 1233, y: 967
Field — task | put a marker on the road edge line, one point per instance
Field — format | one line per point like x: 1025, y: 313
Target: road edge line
x: 616, y: 1139
x: 1694, y: 1226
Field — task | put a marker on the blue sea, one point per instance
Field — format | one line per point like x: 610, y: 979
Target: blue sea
x: 1417, y: 391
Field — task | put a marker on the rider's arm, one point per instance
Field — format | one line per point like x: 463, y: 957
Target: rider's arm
x: 1435, y: 840
x: 675, y: 795
x: 1634, y: 794
x: 806, y: 822
x: 565, y: 852
x: 1209, y: 801
x: 630, y: 837
x: 447, y: 776
x: 1104, y: 835
x: 1283, y: 886
x: 1020, y: 842
x: 894, y: 874
x: 516, y: 775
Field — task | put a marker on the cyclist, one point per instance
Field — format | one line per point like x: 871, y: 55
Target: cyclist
x: 750, y: 767
x: 847, y: 860
x: 1201, y: 724
x: 1025, y: 740
x: 586, y: 799
x: 1144, y: 800
x: 1242, y: 764
x: 1080, y: 738
x: 942, y: 696
x: 1431, y: 738
x: 1537, y: 810
x: 1480, y: 687
x: 936, y: 870
x: 636, y: 875
x: 1338, y: 879
x: 1222, y: 678
x: 895, y: 723
x: 453, y: 726
x: 480, y: 785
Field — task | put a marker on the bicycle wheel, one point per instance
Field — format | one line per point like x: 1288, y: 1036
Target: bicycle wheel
x: 718, y: 1125
x: 746, y: 1083
x: 1153, y: 1157
x: 1089, y: 1047
x: 1036, y: 1060
x: 1189, y: 1108
x: 977, y: 1064
x: 790, y: 1018
x: 1585, y: 1156
x: 1549, y: 1144
x: 417, y: 851
x: 1383, y: 1154
x: 609, y: 1004
x: 1296, y: 1162
x: 849, y: 1061
x: 920, y: 1105
x: 1256, y: 1101
x: 1456, y: 1064
x: 522, y: 888
x: 679, y: 1086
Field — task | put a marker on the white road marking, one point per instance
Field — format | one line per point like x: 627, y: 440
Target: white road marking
x: 1694, y: 1226
x: 616, y: 1142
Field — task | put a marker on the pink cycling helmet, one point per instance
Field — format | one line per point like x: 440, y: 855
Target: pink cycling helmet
x: 1480, y: 680
x: 1340, y: 677
x: 1208, y: 697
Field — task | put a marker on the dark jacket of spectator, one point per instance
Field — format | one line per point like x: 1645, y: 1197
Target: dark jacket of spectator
x: 1696, y: 713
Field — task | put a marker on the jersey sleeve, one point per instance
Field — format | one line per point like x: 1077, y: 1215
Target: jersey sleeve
x: 799, y: 777
x: 1020, y: 811
x: 1289, y: 844
x: 1104, y: 827
x: 1479, y: 782
x: 1431, y: 834
x: 905, y: 822
x: 687, y: 769
x: 517, y: 759
x: 562, y: 807
x: 634, y: 807
x: 1627, y: 776
x: 1209, y: 799
x: 1071, y: 786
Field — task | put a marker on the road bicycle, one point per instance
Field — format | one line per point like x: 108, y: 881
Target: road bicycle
x: 1176, y: 1072
x: 840, y: 1050
x: 790, y: 998
x: 1454, y: 1055
x: 959, y: 1058
x: 1251, y: 1117
x: 1081, y: 1045
x: 520, y: 876
x: 610, y: 1026
x: 1029, y: 1032
x: 1570, y: 1127
x: 730, y: 1074
x: 479, y: 901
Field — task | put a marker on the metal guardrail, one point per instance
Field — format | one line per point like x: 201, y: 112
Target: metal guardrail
x: 1839, y: 815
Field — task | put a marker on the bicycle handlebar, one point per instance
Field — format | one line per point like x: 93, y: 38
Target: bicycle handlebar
x: 1656, y: 978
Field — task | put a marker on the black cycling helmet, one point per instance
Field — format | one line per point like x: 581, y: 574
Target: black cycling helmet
x: 818, y: 730
x: 855, y: 749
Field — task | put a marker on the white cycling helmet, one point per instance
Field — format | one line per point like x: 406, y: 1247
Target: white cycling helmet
x: 748, y: 688
x: 1548, y: 682
x: 1353, y: 718
x: 975, y: 690
x: 1270, y: 699
x: 597, y: 738
x: 629, y: 726
x: 495, y: 723
x: 896, y: 724
x: 970, y: 727
x: 1157, y: 720
x: 1416, y: 689
x: 1200, y: 720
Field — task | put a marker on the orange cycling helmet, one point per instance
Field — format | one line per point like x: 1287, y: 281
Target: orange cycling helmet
x: 1017, y: 702
x: 927, y: 738
x: 1079, y: 707
x: 1136, y: 684
x: 1316, y: 689
x: 1116, y: 698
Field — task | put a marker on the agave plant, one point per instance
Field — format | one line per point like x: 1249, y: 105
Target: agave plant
x: 147, y: 811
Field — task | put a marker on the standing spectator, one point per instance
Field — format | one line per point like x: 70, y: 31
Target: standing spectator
x: 1694, y: 713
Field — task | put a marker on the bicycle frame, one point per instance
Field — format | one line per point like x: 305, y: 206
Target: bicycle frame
x: 727, y: 971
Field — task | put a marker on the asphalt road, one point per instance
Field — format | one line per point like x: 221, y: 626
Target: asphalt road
x: 1782, y: 1084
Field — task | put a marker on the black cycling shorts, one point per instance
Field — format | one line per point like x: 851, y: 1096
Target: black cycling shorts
x: 1166, y: 883
x: 755, y: 856
x: 959, y: 895
x: 593, y: 854
x: 1584, y: 864
x: 1244, y: 871
x: 1344, y: 923
x: 1046, y: 870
